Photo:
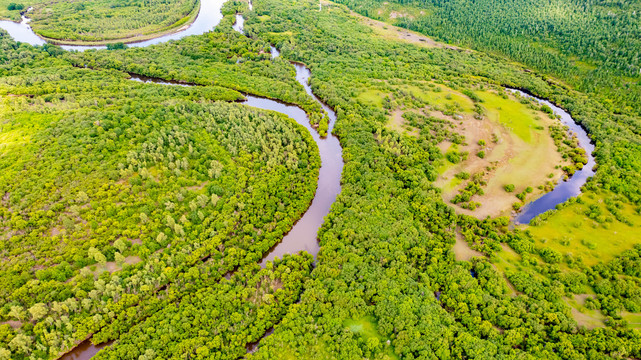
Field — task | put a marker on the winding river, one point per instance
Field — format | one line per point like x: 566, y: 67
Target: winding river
x: 303, y: 235
x: 564, y: 190
x: 208, y: 17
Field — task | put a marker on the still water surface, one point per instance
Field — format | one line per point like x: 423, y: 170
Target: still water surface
x: 564, y: 190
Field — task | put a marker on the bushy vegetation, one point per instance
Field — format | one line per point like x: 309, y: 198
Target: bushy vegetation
x: 593, y: 45
x: 216, y: 319
x: 125, y: 189
x: 402, y: 274
x: 14, y: 6
x: 189, y: 187
x: 89, y: 21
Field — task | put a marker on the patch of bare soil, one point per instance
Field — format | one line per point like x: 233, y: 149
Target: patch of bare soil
x: 398, y: 124
x: 586, y: 320
x: 463, y: 251
x: 55, y: 231
x: 112, y: 267
x: 394, y: 15
x: 13, y: 323
x: 509, y: 160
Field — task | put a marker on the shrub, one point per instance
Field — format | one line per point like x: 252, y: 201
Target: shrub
x: 14, y: 6
x: 509, y: 187
x: 116, y: 46
x: 453, y: 157
x: 462, y: 175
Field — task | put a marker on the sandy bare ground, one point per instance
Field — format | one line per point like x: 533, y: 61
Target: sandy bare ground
x: 463, y: 251
x: 398, y: 124
x: 511, y: 160
x: 13, y: 323
x: 582, y: 318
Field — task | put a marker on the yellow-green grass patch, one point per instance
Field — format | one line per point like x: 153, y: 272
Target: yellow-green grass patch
x: 12, y: 138
x: 519, y: 118
x: 571, y: 231
x: 366, y: 328
x: 633, y: 319
x: 371, y: 97
x: 441, y: 97
x: 504, y: 261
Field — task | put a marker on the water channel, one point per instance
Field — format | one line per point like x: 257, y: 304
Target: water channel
x: 564, y: 190
x: 209, y: 15
x: 303, y: 235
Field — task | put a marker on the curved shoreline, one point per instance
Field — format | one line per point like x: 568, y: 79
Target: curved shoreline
x: 207, y: 18
x: 168, y: 30
x: 302, y: 236
x: 564, y: 189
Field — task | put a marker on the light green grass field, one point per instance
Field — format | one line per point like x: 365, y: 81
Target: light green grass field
x: 372, y: 98
x: 634, y: 320
x: 366, y: 328
x: 570, y: 230
x: 519, y: 118
x: 442, y: 97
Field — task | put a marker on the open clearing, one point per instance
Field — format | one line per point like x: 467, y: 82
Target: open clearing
x: 571, y: 230
x: 584, y: 317
x: 517, y: 146
x: 366, y: 328
x: 463, y: 251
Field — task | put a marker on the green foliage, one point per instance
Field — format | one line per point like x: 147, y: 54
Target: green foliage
x: 509, y: 187
x: 116, y: 46
x: 219, y: 184
x: 141, y: 180
x: 14, y: 6
x: 95, y: 21
x: 216, y: 317
x: 593, y: 45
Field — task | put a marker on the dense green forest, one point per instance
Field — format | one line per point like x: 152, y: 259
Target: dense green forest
x: 140, y: 180
x: 593, y: 45
x: 142, y: 209
x: 98, y: 21
x: 386, y: 284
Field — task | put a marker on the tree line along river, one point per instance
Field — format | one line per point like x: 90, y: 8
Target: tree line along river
x: 303, y: 235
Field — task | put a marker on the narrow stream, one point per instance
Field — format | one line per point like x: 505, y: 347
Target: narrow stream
x: 84, y: 351
x: 564, y: 190
x: 303, y: 235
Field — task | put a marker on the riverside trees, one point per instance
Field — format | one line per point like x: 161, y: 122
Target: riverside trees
x: 386, y: 284
x: 142, y: 180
